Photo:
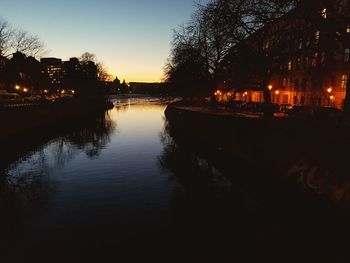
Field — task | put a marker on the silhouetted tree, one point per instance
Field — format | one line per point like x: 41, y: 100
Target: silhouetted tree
x: 185, y: 71
x: 27, y: 44
x: 102, y: 72
x: 219, y: 26
x: 87, y: 57
x: 6, y: 34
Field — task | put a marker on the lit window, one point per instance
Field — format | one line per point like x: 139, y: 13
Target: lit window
x: 267, y: 45
x: 300, y: 44
x: 347, y: 55
x: 344, y: 81
x: 324, y: 13
x: 317, y: 35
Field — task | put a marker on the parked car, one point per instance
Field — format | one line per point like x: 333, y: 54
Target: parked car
x: 285, y: 107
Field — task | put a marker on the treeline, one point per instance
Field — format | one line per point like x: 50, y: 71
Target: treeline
x: 199, y: 47
x: 14, y: 40
x: 229, y: 43
x: 23, y: 73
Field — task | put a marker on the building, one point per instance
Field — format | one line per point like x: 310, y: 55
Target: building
x: 52, y: 69
x: 306, y: 53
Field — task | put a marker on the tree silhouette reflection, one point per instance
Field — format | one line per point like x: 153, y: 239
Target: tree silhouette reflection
x: 248, y: 214
x: 27, y: 182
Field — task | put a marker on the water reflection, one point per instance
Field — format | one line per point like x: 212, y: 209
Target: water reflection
x: 99, y: 189
x: 244, y: 213
x: 321, y: 180
x: 188, y: 168
x: 26, y: 186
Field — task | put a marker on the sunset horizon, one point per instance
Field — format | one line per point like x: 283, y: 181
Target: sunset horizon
x: 132, y: 39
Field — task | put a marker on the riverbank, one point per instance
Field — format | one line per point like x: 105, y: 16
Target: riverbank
x: 314, y: 153
x: 20, y: 121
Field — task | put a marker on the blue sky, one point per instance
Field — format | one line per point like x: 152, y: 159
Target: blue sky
x: 131, y: 37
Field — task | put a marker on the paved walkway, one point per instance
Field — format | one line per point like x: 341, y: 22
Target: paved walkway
x: 225, y: 112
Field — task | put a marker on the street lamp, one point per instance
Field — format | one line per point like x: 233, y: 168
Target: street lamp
x: 277, y: 92
x: 329, y: 90
x: 25, y: 90
x: 17, y: 87
x: 270, y: 87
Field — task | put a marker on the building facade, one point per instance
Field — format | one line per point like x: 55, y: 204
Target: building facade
x: 307, y: 53
x: 52, y: 69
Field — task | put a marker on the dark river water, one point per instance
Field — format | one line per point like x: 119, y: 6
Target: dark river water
x: 118, y: 185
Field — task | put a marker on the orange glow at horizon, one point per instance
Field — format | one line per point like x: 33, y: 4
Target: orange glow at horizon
x: 136, y: 73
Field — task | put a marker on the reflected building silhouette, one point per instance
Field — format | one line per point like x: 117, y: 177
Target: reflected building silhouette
x: 22, y: 187
x: 188, y: 167
x: 236, y: 210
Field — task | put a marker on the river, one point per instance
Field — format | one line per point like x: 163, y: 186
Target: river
x: 118, y: 184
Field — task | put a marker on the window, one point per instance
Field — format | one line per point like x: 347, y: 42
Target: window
x: 347, y: 55
x: 324, y: 13
x: 284, y: 83
x: 344, y: 81
x: 298, y: 63
x: 290, y: 65
x: 300, y: 44
x: 266, y: 45
x: 317, y: 35
x: 314, y: 60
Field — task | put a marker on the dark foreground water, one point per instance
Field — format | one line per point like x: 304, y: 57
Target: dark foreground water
x: 117, y: 185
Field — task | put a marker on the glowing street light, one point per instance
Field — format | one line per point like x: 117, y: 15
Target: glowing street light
x: 329, y: 90
x: 25, y: 90
x: 331, y: 97
x: 46, y: 91
x: 270, y: 87
x: 17, y: 87
x: 218, y: 93
x: 277, y: 92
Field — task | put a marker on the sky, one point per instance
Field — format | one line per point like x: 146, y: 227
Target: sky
x: 131, y: 37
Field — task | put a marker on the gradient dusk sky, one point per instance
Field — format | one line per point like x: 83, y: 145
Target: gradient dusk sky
x: 131, y: 37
